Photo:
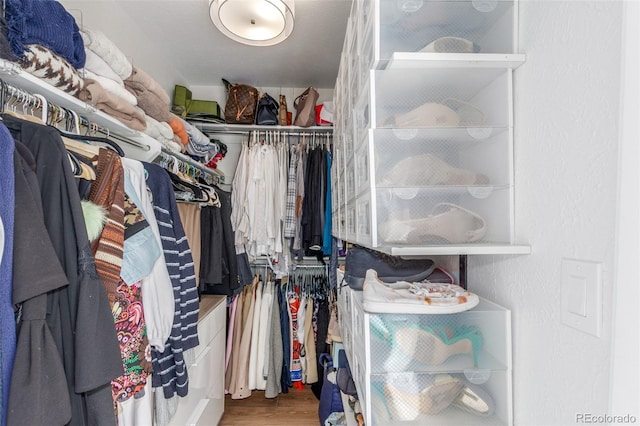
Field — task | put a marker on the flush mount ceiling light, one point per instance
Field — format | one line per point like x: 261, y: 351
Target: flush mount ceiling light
x: 253, y: 22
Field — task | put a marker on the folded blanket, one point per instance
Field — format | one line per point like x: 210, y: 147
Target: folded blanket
x: 139, y: 76
x: 111, y: 86
x: 51, y: 68
x: 46, y: 23
x: 113, y: 105
x: 108, y: 51
x: 97, y: 65
x: 150, y: 103
x: 157, y: 129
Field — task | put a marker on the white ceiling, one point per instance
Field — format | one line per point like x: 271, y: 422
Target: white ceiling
x: 175, y: 42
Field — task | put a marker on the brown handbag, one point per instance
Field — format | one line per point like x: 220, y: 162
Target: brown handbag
x: 283, y: 111
x: 242, y: 100
x: 305, y: 106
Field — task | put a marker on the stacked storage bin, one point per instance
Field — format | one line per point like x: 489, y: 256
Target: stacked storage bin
x: 425, y: 145
x: 408, y: 373
x: 424, y: 166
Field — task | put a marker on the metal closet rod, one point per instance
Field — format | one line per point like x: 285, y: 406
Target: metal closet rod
x: 297, y: 266
x: 245, y: 132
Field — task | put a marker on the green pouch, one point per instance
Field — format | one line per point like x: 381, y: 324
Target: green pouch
x: 181, y: 100
x: 203, y: 108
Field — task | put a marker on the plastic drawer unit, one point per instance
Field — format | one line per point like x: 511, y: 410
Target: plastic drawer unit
x: 432, y: 369
x: 384, y: 27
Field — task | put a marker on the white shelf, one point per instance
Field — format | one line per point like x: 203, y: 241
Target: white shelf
x: 461, y: 249
x: 142, y: 146
x: 409, y: 60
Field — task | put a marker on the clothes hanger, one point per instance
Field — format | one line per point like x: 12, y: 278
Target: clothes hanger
x: 98, y: 139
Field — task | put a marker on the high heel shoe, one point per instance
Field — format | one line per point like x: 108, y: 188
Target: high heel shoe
x: 434, y: 345
x: 404, y: 405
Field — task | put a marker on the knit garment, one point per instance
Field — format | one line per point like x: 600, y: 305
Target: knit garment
x: 46, y: 23
x: 94, y: 94
x: 51, y: 68
x: 108, y: 191
x: 101, y: 45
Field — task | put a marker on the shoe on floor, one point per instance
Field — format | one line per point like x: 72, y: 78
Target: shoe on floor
x: 407, y: 406
x: 388, y: 268
x: 378, y: 297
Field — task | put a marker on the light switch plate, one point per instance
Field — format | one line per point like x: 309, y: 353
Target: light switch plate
x: 582, y: 295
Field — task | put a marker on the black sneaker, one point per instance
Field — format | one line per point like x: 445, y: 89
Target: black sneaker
x: 389, y: 268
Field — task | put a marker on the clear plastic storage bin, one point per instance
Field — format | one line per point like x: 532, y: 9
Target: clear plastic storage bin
x: 439, y: 399
x: 449, y: 26
x: 431, y: 369
x: 435, y: 98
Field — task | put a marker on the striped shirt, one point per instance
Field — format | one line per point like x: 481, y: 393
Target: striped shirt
x: 169, y: 367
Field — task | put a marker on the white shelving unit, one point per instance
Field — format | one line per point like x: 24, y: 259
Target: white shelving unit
x: 378, y: 360
x: 417, y: 130
x: 383, y: 75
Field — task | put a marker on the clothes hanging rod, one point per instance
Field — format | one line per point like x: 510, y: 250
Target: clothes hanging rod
x: 243, y: 129
x: 297, y: 266
x: 218, y: 178
x: 241, y: 132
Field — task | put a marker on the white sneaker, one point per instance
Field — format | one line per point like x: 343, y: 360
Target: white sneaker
x: 377, y: 297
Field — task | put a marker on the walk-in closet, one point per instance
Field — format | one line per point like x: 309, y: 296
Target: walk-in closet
x: 319, y: 212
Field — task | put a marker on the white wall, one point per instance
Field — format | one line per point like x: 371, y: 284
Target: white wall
x: 566, y: 156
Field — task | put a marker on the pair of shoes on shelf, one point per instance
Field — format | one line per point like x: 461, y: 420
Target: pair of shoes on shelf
x: 414, y: 298
x: 444, y: 391
x: 389, y: 268
x: 427, y: 170
x: 448, y: 223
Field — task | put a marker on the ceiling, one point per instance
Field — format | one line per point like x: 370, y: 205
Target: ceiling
x: 176, y: 43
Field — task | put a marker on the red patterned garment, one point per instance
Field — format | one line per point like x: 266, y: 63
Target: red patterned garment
x: 131, y: 328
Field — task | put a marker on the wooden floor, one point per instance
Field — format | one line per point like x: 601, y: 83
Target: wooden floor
x: 298, y: 407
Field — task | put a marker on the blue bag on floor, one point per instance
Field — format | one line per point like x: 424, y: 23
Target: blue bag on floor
x: 330, y: 399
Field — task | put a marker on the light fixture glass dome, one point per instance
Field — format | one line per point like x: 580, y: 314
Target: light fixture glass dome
x: 253, y: 22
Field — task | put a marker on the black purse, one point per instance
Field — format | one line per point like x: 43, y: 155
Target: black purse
x: 267, y: 110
